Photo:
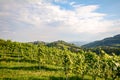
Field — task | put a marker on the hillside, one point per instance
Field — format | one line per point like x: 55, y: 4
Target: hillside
x: 55, y: 61
x: 60, y: 44
x: 110, y: 41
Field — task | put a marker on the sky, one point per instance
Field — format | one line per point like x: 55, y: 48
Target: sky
x: 51, y: 20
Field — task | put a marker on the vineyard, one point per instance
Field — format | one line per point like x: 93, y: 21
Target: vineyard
x: 28, y: 61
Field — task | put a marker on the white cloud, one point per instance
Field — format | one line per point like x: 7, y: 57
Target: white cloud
x: 48, y: 20
x: 63, y: 1
x: 72, y: 3
x: 79, y: 19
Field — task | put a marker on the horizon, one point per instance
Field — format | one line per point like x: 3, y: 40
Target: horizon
x: 81, y: 42
x: 52, y: 20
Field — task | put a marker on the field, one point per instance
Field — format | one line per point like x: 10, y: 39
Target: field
x: 13, y: 68
x: 56, y: 61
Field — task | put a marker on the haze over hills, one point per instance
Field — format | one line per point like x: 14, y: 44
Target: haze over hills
x: 59, y: 44
x: 110, y: 41
x: 79, y: 43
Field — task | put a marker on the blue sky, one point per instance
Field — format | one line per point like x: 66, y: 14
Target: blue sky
x: 110, y: 7
x: 51, y: 20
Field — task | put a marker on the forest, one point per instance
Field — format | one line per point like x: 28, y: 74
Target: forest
x: 57, y: 61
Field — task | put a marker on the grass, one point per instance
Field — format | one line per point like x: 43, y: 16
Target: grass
x: 12, y: 68
x: 29, y: 71
x: 24, y: 73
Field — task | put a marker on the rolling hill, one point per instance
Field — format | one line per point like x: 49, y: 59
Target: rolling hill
x: 60, y: 44
x: 110, y: 41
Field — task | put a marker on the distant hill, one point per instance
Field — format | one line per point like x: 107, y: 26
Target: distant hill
x: 110, y: 41
x: 79, y: 43
x: 64, y: 45
x: 60, y: 44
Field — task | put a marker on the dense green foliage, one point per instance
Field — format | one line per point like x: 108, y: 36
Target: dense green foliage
x: 55, y: 61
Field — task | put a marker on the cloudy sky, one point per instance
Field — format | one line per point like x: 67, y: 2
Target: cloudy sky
x: 51, y: 20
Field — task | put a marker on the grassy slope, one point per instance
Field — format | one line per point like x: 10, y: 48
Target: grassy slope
x: 12, y: 68
x: 26, y: 68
